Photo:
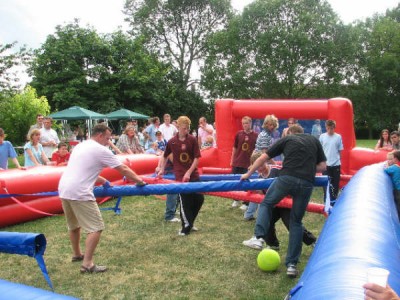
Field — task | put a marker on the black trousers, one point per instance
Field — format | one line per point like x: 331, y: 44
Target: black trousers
x: 284, y: 214
x: 190, y: 206
x: 334, y: 179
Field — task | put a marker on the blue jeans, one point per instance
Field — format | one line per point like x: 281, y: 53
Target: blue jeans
x: 251, y: 210
x: 170, y: 208
x: 283, y: 186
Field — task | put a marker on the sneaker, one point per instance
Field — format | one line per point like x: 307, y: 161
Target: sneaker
x: 195, y: 228
x: 174, y: 220
x: 291, y: 271
x: 249, y: 219
x: 235, y: 204
x: 243, y: 207
x: 180, y: 233
x: 255, y: 243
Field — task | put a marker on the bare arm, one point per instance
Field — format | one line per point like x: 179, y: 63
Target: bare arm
x: 115, y: 148
x: 16, y: 163
x: 32, y: 157
x: 129, y: 174
x: 258, y: 163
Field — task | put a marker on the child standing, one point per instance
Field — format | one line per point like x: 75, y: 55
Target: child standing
x: 394, y: 173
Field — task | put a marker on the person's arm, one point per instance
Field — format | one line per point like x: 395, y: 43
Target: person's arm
x: 32, y: 157
x: 115, y: 148
x: 374, y: 291
x: 44, y: 158
x: 16, y: 163
x: 321, y: 167
x: 258, y: 163
x: 129, y: 174
x: 189, y: 172
x: 234, y: 150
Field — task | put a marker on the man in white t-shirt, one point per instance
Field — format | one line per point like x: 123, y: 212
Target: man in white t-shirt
x: 87, y: 160
x: 48, y: 137
x: 167, y: 129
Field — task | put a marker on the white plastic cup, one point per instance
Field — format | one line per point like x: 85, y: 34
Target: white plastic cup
x: 378, y: 276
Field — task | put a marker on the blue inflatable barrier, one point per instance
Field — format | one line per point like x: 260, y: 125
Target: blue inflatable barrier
x: 30, y: 244
x: 10, y: 291
x: 363, y: 231
x: 191, y: 187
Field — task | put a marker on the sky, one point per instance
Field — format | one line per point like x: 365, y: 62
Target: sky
x: 31, y: 21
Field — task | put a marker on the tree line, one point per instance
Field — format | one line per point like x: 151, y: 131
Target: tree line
x: 273, y: 49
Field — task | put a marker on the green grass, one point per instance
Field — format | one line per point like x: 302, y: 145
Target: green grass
x: 148, y: 260
x: 366, y: 143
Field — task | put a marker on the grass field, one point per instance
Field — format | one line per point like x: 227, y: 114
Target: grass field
x: 148, y: 260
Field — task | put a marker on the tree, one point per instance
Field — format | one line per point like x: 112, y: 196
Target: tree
x: 377, y: 93
x: 10, y: 61
x: 19, y: 113
x: 278, y: 48
x: 177, y: 29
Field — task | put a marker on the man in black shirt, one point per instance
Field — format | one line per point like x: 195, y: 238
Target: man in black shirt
x: 303, y: 157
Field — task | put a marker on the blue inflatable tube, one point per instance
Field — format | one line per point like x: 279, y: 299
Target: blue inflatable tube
x: 363, y: 231
x: 10, y: 290
x: 191, y: 187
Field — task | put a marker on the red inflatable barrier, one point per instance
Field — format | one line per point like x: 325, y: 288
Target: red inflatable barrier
x: 228, y: 114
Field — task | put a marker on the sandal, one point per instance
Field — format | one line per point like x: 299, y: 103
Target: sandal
x: 77, y: 258
x: 93, y: 269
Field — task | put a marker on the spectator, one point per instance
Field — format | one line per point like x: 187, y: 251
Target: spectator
x: 384, y: 142
x: 7, y: 151
x: 290, y: 122
x: 167, y: 129
x: 79, y: 134
x: 333, y: 146
x: 128, y: 142
x: 141, y: 137
x: 243, y: 147
x: 154, y: 149
x: 48, y: 137
x: 37, y: 125
x: 209, y: 142
x: 76, y: 193
x: 395, y: 138
x: 316, y: 129
x: 304, y: 157
x: 394, y: 172
x: 150, y: 131
x: 204, y: 130
x: 162, y: 143
x: 61, y: 156
x: 33, y: 151
x: 185, y: 158
x: 374, y: 291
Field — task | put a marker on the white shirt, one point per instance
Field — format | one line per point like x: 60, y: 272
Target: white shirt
x: 168, y: 131
x: 49, y: 135
x: 87, y: 160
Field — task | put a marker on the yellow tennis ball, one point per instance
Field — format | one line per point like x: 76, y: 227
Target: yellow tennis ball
x: 268, y: 260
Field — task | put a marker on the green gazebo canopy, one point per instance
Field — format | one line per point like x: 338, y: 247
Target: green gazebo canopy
x: 123, y: 114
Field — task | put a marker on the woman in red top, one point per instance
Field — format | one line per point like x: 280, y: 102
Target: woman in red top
x: 61, y: 156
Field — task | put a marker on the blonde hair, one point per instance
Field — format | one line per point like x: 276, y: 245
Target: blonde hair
x: 183, y: 120
x: 271, y: 119
x: 33, y: 132
x: 247, y: 118
x: 255, y: 156
x: 129, y: 127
